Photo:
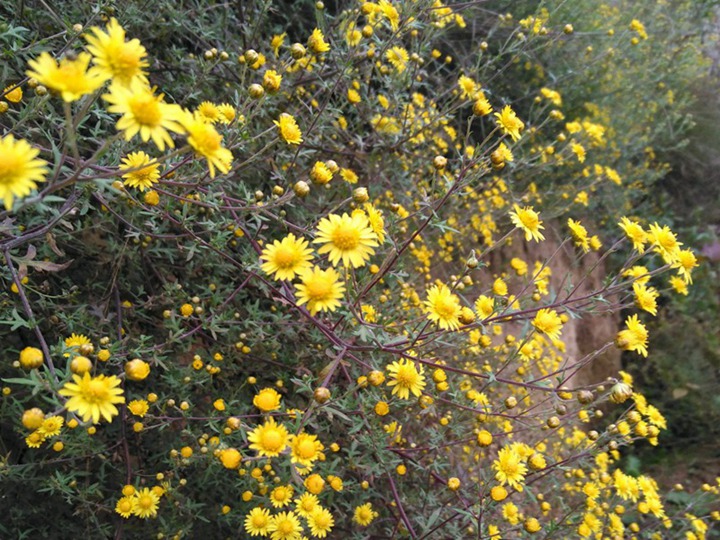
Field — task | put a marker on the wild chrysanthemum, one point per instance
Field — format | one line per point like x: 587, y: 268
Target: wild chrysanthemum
x: 227, y: 113
x: 20, y: 170
x: 139, y: 407
x: 269, y: 439
x: 257, y: 522
x: 405, y: 377
x: 143, y: 173
x: 276, y: 42
x: 484, y: 306
x: 306, y: 504
x: 645, y: 298
x: 208, y: 112
x: 51, y: 426
x: 579, y: 235
x: 93, y: 397
x: 548, y: 322
x: 664, y: 242
x: 207, y: 143
x: 289, y: 130
x: 468, y: 87
x: 286, y: 258
x: 443, y: 307
x: 145, y: 113
x: 12, y: 93
x: 509, y: 123
x: 114, y: 57
x: 685, y: 262
x: 285, y: 526
x: 305, y: 449
x: 317, y: 43
x: 281, y: 496
x: 320, y: 173
x: 145, y: 503
x: 364, y: 514
x: 76, y: 340
x: 529, y: 221
x: 377, y: 222
x: 349, y: 239
x: 634, y: 337
x: 320, y: 289
x: 635, y: 233
x: 321, y: 522
x: 398, y: 58
x: 267, y: 400
x: 70, y: 78
x: 124, y: 506
x: 509, y: 468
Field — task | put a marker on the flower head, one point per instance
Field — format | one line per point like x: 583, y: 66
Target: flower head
x: 405, y: 377
x: 634, y: 337
x: 443, y: 307
x: 579, y: 235
x: 398, y: 57
x: 267, y: 400
x: 93, y: 397
x: 347, y: 238
x: 13, y: 93
x: 509, y: 468
x: 685, y: 262
x: 321, y: 522
x: 305, y: 449
x: 284, y: 526
x: 320, y: 289
x: 269, y: 439
x: 143, y: 171
x: 529, y: 221
x: 548, y: 322
x: 207, y: 142
x: 289, y: 130
x: 645, y: 298
x: 317, y: 43
x: 20, y: 170
x: 281, y: 496
x: 115, y: 58
x: 145, y: 503
x: 124, y: 506
x: 286, y: 258
x: 635, y: 233
x: 257, y: 522
x: 664, y: 242
x: 70, y: 78
x: 364, y: 514
x: 509, y: 123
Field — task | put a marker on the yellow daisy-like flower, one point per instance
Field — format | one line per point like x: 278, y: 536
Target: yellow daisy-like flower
x: 76, y: 340
x: 227, y: 113
x: 685, y: 263
x: 321, y: 522
x: 664, y: 242
x: 443, y: 307
x: 285, y: 526
x: 286, y: 258
x: 51, y: 426
x: 12, y: 93
x: 679, y: 285
x: 289, y: 130
x: 93, y: 397
x: 509, y: 468
x: 405, y: 377
x: 35, y: 439
x: 645, y: 298
x: 377, y: 222
x: 548, y: 322
x: 305, y: 449
x: 267, y: 400
x: 257, y: 522
x: 320, y: 289
x: 346, y: 238
x: 364, y: 514
x: 281, y: 496
x: 139, y: 407
x: 115, y: 58
x: 143, y: 171
x: 634, y: 337
x: 276, y: 42
x: 20, y: 170
x: 317, y: 43
x: 306, y: 504
x: 484, y: 306
x: 320, y: 173
x: 269, y: 439
x: 635, y: 233
x: 70, y: 78
x: 145, y: 113
x: 207, y: 142
x: 579, y: 235
x: 398, y: 58
x: 208, y: 112
x: 529, y: 221
x: 509, y: 123
x: 124, y: 506
x: 145, y: 503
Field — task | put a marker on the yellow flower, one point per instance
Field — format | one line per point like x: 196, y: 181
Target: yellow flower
x: 346, y: 238
x: 145, y: 503
x: 390, y: 12
x: 664, y: 242
x: 529, y: 221
x: 485, y: 306
x: 271, y: 81
x: 364, y: 514
x: 70, y: 78
x: 579, y: 151
x: 114, y: 57
x: 579, y: 235
x: 634, y: 337
x: 139, y: 407
x: 305, y: 449
x: 13, y: 93
x: 124, y: 506
x: 398, y: 57
x: 285, y: 526
x: 320, y: 289
x: 509, y: 123
x: 405, y: 377
x: 679, y: 285
x: 276, y: 42
x: 317, y: 43
x: 377, y: 223
x: 685, y: 262
x: 482, y: 106
x: 509, y: 468
x: 137, y: 370
x: 93, y: 397
x: 306, y: 504
x: 645, y: 298
x: 51, y: 426
x: 289, y: 130
x: 207, y: 142
x: 144, y: 171
x: 20, y: 171
x: 257, y: 522
x: 269, y: 439
x: 468, y: 87
x: 548, y: 322
x: 321, y: 522
x: 208, y: 112
x: 267, y: 400
x: 443, y: 307
x: 145, y: 113
x: 500, y: 287
x: 35, y: 439
x: 227, y: 113
x: 320, y: 173
x: 286, y: 258
x: 281, y: 496
x: 635, y: 233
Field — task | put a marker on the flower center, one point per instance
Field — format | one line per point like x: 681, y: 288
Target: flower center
x: 96, y: 390
x: 272, y: 440
x: 9, y: 166
x: 346, y: 237
x: 406, y: 376
x: 259, y: 521
x: 285, y: 257
x: 146, y: 110
x: 126, y: 62
x: 145, y: 502
x: 306, y: 449
x: 286, y: 527
x: 319, y: 289
x: 207, y: 140
x: 445, y: 308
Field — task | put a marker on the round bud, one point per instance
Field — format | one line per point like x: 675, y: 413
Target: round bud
x: 620, y: 392
x: 301, y: 188
x: 31, y: 358
x: 256, y: 91
x: 510, y: 402
x: 585, y: 397
x: 80, y: 365
x: 278, y: 191
x: 568, y: 29
x: 439, y: 162
x: 321, y: 395
x: 360, y: 195
x: 553, y: 422
x: 297, y: 51
x: 251, y: 56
